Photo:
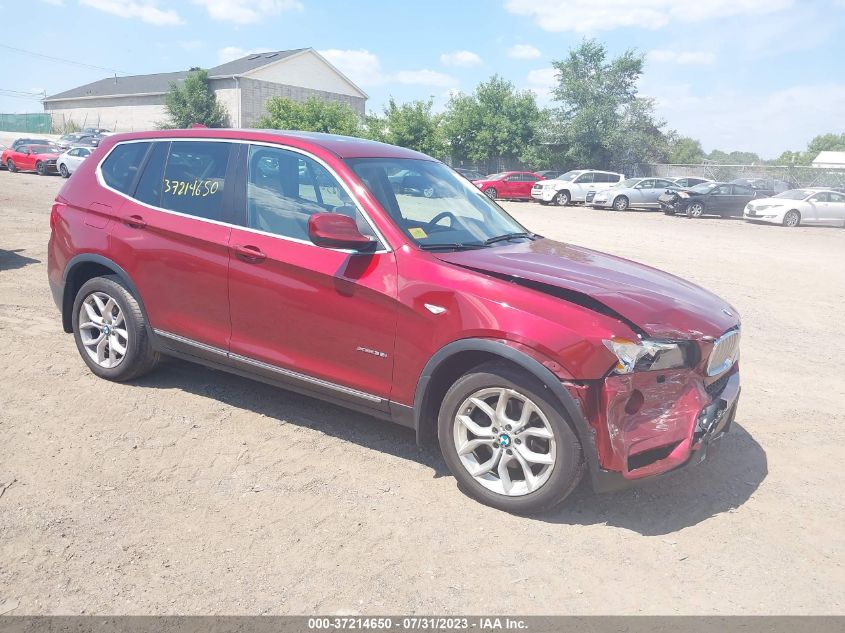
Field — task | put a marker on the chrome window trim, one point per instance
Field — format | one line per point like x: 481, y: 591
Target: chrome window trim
x: 385, y: 245
x: 274, y: 368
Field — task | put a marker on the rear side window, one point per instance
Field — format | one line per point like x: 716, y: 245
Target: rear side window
x: 613, y: 177
x: 585, y: 178
x: 194, y: 178
x: 122, y: 164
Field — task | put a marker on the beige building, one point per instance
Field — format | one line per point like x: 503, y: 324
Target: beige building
x: 243, y: 86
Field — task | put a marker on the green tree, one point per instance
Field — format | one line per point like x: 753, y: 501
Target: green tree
x: 823, y: 143
x: 314, y: 115
x: 734, y: 158
x: 495, y: 121
x: 193, y: 102
x: 684, y: 150
x: 599, y: 111
x: 413, y: 125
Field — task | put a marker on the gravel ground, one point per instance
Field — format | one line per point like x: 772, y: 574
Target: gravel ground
x: 192, y: 491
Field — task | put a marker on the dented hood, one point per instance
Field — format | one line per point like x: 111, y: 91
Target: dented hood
x: 660, y: 304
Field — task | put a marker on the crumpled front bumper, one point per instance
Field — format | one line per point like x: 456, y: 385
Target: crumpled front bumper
x: 678, y: 424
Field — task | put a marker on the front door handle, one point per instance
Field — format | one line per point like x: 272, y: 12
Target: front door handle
x: 135, y: 221
x: 249, y: 254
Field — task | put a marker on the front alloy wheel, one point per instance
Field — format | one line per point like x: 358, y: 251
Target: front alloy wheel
x: 506, y: 442
x: 561, y: 199
x: 695, y: 210
x: 40, y: 169
x: 491, y: 193
x: 792, y: 219
x: 620, y: 203
x: 64, y: 171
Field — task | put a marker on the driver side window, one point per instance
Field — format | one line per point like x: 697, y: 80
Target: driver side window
x: 286, y: 188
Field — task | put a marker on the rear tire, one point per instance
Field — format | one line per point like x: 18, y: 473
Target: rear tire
x: 546, y: 445
x: 101, y: 322
x: 562, y: 198
x: 792, y: 219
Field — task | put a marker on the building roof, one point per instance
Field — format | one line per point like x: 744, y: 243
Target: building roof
x: 829, y: 159
x: 159, y: 83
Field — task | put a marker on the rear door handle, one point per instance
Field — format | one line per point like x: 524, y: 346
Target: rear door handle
x: 249, y: 254
x: 135, y: 221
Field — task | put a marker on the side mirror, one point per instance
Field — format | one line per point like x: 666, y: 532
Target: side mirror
x: 335, y: 230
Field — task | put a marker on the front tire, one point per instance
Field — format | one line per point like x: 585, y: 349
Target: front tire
x: 562, y: 198
x: 491, y: 193
x: 10, y: 165
x: 110, y: 330
x: 64, y: 171
x: 792, y: 219
x: 695, y: 210
x: 506, y: 442
x: 621, y: 203
x: 40, y: 168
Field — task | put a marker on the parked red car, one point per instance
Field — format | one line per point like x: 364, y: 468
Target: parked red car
x: 508, y: 185
x: 37, y: 158
x: 289, y: 258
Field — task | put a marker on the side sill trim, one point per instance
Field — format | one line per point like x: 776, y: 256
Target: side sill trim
x: 273, y: 368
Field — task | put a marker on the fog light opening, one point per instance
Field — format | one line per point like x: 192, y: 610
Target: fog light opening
x: 635, y: 402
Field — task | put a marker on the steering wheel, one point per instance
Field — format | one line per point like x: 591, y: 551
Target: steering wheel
x: 433, y: 227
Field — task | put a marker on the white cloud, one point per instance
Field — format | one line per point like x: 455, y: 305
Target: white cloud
x: 247, y: 11
x: 229, y: 53
x: 364, y: 68
x: 682, y: 57
x: 541, y: 81
x: 144, y: 11
x: 425, y: 77
x: 752, y: 121
x: 460, y: 58
x: 55, y: 3
x: 606, y: 15
x: 524, y: 51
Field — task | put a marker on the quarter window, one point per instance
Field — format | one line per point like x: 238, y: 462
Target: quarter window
x: 194, y: 178
x: 122, y: 164
x: 286, y: 188
x: 584, y: 178
x: 152, y: 180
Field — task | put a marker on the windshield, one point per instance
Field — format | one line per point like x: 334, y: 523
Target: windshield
x: 627, y: 184
x: 794, y: 194
x: 498, y: 176
x: 704, y: 187
x: 432, y: 204
x: 42, y: 149
x: 570, y: 175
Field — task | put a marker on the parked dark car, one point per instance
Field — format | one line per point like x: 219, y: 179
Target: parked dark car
x: 686, y: 183
x: 710, y: 198
x: 70, y: 140
x: 30, y: 141
x: 764, y: 187
x: 532, y: 362
x: 549, y: 174
x: 95, y: 131
x: 469, y: 174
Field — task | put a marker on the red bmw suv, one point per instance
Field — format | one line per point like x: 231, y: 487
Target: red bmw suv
x: 290, y: 258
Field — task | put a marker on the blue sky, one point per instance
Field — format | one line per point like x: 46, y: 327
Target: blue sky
x: 754, y: 75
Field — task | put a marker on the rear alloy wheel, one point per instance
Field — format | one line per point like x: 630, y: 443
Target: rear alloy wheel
x: 10, y: 165
x: 63, y: 171
x: 428, y: 192
x: 695, y: 210
x: 792, y: 218
x: 110, y: 330
x: 505, y: 441
x: 491, y: 193
x: 562, y: 198
x: 620, y: 203
x: 40, y: 168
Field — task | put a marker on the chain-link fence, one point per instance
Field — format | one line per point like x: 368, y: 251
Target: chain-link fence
x: 38, y: 123
x: 795, y: 176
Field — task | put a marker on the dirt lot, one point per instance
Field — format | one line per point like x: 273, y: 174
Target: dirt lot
x: 192, y: 491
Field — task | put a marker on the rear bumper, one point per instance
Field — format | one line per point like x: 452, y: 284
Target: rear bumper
x: 684, y: 433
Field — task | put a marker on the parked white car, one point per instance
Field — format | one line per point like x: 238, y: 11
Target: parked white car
x: 573, y: 186
x: 71, y: 159
x: 799, y: 206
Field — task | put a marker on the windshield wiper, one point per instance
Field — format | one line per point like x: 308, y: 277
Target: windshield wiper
x: 452, y: 247
x: 508, y: 236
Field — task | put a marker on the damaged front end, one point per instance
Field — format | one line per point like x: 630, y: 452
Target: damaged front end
x: 648, y: 421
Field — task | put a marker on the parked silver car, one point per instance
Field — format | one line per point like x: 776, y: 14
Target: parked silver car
x: 641, y: 193
x: 71, y: 159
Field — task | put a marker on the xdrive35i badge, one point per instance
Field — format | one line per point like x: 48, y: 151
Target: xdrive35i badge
x: 374, y: 352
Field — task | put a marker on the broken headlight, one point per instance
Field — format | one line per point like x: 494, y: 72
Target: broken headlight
x: 648, y: 355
